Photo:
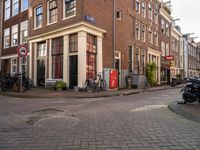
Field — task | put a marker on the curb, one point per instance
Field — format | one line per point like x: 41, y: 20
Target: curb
x: 174, y: 107
x: 89, y: 96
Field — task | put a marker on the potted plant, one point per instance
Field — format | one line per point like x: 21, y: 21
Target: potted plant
x: 60, y: 85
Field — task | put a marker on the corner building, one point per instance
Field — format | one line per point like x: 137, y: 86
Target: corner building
x: 75, y: 40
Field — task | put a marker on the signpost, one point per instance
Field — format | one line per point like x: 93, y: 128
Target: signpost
x: 22, y: 51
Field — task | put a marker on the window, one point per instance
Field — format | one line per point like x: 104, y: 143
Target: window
x: 137, y: 30
x: 41, y: 50
x: 155, y: 38
x: 23, y: 61
x: 14, y: 38
x: 52, y: 14
x: 24, y: 4
x: 24, y: 32
x: 137, y: 6
x: 38, y: 17
x: 156, y: 14
x: 163, y: 26
x: 167, y: 49
x: 119, y: 14
x: 70, y: 8
x: 167, y: 29
x: 163, y: 48
x: 130, y: 62
x: 137, y: 61
x: 150, y: 36
x: 143, y: 9
x: 7, y: 38
x: 13, y: 65
x: 143, y: 33
x: 150, y: 11
x: 57, y: 58
x: 15, y: 7
x: 7, y: 9
x: 73, y: 43
x: 142, y: 62
x: 91, y: 56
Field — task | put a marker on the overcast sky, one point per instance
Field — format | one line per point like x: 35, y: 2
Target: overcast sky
x: 189, y: 13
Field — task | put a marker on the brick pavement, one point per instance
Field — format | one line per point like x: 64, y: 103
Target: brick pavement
x: 136, y: 122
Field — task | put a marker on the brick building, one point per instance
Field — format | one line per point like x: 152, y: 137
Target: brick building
x: 15, y: 32
x: 1, y: 19
x: 165, y: 34
x: 75, y: 40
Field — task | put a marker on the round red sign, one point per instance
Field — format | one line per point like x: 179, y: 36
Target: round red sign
x: 22, y: 50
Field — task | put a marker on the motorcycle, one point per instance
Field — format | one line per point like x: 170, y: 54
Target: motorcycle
x: 191, y: 91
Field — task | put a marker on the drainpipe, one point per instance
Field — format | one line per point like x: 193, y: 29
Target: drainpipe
x: 114, y: 32
x: 1, y: 36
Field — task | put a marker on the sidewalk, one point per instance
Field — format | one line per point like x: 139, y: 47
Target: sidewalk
x: 46, y: 93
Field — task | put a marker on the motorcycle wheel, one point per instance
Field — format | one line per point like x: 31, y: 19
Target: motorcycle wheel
x: 188, y: 98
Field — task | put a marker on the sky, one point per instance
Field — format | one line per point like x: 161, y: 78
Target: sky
x: 189, y: 13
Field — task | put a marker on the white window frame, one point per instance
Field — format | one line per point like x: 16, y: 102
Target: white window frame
x: 143, y: 27
x: 64, y: 15
x: 23, y: 27
x: 13, y: 33
x: 13, y: 3
x: 137, y: 2
x: 7, y: 6
x: 23, y: 63
x: 48, y: 13
x: 144, y: 8
x: 5, y: 35
x: 137, y: 37
x: 13, y: 65
x: 120, y: 14
x: 150, y: 13
x: 22, y: 8
x: 163, y: 48
x: 35, y: 27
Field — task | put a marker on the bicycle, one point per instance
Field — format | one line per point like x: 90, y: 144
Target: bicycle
x: 95, y: 85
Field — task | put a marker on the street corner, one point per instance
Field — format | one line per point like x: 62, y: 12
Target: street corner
x: 189, y: 111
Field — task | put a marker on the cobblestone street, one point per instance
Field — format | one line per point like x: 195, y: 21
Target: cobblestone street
x: 137, y: 122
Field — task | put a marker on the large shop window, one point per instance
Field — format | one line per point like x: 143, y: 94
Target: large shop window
x: 73, y: 43
x: 91, y: 56
x: 70, y: 8
x: 57, y: 58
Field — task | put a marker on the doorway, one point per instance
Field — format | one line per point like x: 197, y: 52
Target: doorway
x: 41, y: 72
x: 73, y: 71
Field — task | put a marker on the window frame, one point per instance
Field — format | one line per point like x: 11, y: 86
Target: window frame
x: 7, y: 9
x: 14, y: 65
x: 74, y: 9
x: 143, y: 28
x: 14, y: 2
x: 144, y: 12
x: 137, y: 6
x: 150, y: 11
x: 21, y: 31
x: 12, y: 35
x: 22, y: 8
x: 37, y: 15
x: 4, y: 45
x: 120, y: 14
x: 137, y: 30
x: 130, y: 62
x: 73, y: 43
x: 49, y: 10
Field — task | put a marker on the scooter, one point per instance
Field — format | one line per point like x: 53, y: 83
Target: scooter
x: 191, y: 91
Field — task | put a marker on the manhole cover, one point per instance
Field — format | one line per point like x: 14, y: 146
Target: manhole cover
x: 59, y: 122
x: 47, y: 111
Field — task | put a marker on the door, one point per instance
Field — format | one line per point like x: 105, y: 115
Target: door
x: 41, y: 72
x: 117, y: 67
x: 73, y: 71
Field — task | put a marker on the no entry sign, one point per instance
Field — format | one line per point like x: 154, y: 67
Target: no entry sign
x: 22, y: 50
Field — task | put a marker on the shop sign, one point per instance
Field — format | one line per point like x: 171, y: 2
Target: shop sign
x: 169, y: 57
x: 22, y: 51
x: 90, y: 19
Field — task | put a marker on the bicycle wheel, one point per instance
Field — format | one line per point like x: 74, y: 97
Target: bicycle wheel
x: 90, y: 88
x: 103, y: 85
x: 4, y: 87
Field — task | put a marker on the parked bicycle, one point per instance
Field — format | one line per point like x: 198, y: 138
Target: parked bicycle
x: 9, y: 80
x: 96, y: 85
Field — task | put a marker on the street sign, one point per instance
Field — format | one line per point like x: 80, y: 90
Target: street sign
x: 22, y: 50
